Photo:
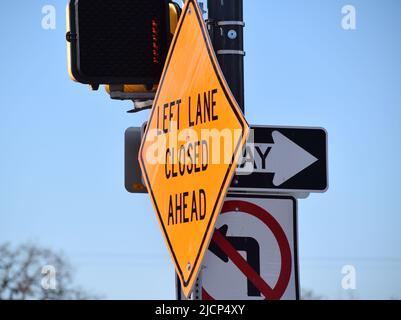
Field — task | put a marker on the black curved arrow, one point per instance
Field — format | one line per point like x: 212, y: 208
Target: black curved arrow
x: 247, y: 244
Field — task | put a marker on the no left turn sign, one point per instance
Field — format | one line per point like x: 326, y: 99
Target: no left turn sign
x: 253, y: 252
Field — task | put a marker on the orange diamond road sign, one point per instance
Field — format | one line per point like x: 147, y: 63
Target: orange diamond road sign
x: 194, y: 137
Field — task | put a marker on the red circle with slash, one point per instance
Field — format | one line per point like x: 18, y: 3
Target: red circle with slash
x: 286, y: 262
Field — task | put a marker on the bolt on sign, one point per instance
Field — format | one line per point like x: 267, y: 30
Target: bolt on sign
x: 194, y: 137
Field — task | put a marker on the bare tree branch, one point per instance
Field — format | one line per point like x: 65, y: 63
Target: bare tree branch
x: 21, y: 275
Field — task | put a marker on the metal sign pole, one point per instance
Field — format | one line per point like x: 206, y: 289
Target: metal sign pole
x: 197, y: 293
x: 226, y: 28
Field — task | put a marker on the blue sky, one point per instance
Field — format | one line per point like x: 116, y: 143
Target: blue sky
x: 61, y: 158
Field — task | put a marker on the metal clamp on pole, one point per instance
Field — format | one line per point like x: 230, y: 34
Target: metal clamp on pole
x: 225, y: 23
x: 238, y: 52
x: 231, y: 23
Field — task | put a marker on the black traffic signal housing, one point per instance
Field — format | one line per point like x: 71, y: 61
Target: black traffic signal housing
x: 118, y: 41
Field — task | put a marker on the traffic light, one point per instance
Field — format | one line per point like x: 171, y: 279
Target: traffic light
x: 119, y: 42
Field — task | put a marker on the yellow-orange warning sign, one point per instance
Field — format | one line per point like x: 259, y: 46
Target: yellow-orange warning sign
x: 192, y: 142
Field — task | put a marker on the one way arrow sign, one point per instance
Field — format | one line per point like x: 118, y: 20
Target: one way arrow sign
x: 283, y: 159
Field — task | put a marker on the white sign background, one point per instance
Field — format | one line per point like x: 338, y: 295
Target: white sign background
x: 224, y: 281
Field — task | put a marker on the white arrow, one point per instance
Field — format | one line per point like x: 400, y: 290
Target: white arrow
x: 284, y: 158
